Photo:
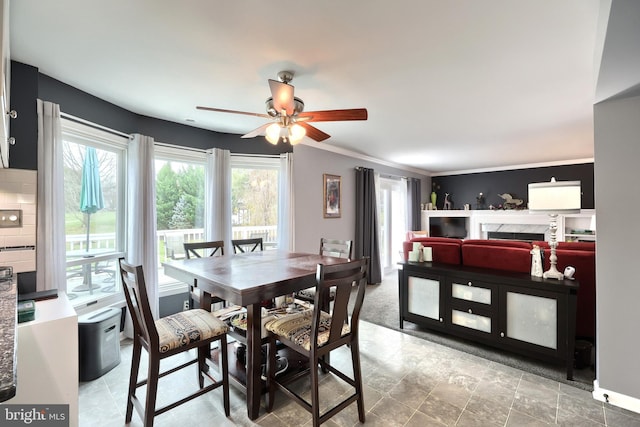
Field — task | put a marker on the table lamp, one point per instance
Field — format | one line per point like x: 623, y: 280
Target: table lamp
x: 554, y: 197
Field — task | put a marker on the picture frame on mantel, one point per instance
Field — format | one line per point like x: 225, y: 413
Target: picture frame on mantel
x: 332, y: 207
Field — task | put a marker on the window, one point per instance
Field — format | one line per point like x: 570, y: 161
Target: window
x: 180, y: 205
x: 94, y: 200
x: 254, y: 198
x: 180, y: 202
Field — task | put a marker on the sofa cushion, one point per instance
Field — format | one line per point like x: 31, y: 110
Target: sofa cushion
x: 508, y: 255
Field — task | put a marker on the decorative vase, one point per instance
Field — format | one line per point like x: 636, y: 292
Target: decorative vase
x: 434, y: 197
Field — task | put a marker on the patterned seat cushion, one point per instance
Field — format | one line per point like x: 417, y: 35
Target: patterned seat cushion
x: 297, y: 328
x: 185, y: 327
x: 310, y: 293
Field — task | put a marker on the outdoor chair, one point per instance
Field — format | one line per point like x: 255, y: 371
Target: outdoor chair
x: 173, y: 246
x: 166, y: 337
x: 315, y: 333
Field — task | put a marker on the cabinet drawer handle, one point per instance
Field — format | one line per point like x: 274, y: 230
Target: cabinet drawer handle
x: 470, y: 312
x: 470, y: 284
x: 441, y: 319
x: 502, y: 334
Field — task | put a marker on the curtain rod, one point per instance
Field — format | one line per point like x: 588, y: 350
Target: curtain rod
x: 384, y: 175
x: 162, y: 144
x: 266, y: 156
x: 182, y: 147
x: 94, y: 125
x: 204, y: 151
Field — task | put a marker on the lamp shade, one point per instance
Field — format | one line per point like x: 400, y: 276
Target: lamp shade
x: 272, y: 133
x: 296, y: 133
x: 555, y: 196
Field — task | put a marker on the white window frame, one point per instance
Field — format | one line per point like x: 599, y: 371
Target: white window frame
x: 168, y: 152
x: 90, y: 136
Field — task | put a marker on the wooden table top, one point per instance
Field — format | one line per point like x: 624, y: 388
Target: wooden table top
x: 249, y: 278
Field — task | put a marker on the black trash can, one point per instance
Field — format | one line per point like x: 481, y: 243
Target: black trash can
x: 582, y: 354
x: 98, y: 342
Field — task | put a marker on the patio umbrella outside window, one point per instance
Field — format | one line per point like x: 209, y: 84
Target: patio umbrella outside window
x: 91, y: 200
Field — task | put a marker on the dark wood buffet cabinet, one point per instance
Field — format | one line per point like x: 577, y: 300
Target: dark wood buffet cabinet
x: 516, y: 312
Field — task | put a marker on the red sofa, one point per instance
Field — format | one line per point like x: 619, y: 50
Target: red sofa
x: 445, y: 250
x: 512, y: 255
x: 507, y: 255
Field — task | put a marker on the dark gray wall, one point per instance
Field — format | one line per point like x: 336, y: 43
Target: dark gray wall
x: 465, y: 188
x: 27, y: 85
x: 24, y: 128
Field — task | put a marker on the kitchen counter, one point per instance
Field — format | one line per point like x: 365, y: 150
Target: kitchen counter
x: 8, y: 303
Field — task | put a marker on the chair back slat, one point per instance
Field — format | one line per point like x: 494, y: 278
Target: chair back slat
x: 343, y: 277
x: 192, y: 249
x: 135, y: 292
x: 336, y: 248
x: 247, y: 245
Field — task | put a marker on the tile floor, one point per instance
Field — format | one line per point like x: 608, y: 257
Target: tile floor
x: 408, y: 382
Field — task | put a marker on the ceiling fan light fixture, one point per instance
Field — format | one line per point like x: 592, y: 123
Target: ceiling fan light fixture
x: 296, y: 133
x: 272, y: 133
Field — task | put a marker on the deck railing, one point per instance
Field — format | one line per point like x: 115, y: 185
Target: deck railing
x: 169, y: 242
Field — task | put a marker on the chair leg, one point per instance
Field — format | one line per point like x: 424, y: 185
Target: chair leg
x: 202, y: 364
x: 315, y: 395
x: 225, y: 374
x: 133, y: 379
x: 357, y: 377
x: 271, y: 372
x: 152, y: 390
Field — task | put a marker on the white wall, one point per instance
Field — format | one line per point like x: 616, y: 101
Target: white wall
x: 18, y: 190
x: 309, y: 164
x: 617, y: 154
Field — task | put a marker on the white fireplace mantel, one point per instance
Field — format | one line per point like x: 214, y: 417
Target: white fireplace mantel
x: 479, y: 222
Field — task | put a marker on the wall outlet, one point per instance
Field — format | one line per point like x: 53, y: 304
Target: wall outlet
x: 185, y: 305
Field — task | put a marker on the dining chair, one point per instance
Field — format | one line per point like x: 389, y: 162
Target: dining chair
x: 328, y: 247
x: 166, y: 337
x: 247, y: 245
x: 198, y: 250
x: 315, y: 333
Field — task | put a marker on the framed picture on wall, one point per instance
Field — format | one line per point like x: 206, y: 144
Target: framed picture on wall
x: 331, y: 196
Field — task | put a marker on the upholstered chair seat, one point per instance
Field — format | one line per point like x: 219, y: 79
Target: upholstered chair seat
x: 183, y: 328
x: 297, y: 328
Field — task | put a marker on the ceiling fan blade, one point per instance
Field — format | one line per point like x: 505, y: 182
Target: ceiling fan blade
x: 336, y: 115
x: 282, y: 94
x: 257, y: 131
x: 222, y: 110
x: 314, y: 133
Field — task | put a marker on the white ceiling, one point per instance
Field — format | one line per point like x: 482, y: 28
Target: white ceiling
x: 449, y: 85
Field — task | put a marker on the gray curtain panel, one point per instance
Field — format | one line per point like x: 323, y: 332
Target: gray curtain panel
x: 366, y: 241
x: 414, y: 216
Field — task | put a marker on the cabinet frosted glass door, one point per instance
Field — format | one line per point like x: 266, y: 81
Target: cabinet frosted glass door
x: 470, y: 320
x: 532, y: 319
x: 424, y: 297
x: 471, y: 293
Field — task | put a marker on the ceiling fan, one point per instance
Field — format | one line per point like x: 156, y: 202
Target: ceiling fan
x: 288, y: 121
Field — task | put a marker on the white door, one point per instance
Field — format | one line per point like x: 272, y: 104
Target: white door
x: 392, y: 220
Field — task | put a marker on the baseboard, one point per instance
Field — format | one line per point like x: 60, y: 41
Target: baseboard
x: 614, y: 398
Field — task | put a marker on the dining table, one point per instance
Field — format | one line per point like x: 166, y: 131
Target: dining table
x: 248, y: 279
